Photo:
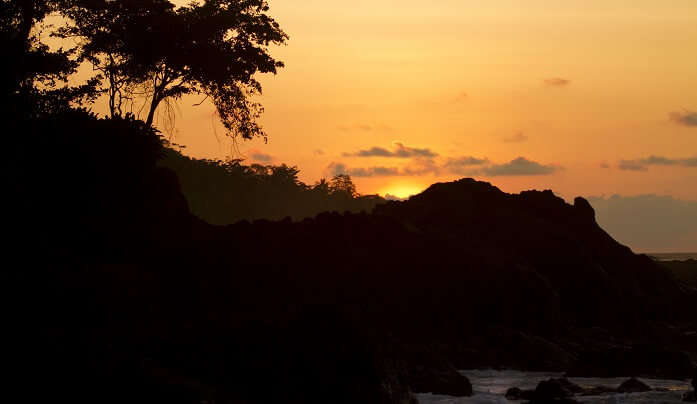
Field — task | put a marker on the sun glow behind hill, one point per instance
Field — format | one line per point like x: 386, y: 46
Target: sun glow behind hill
x: 401, y: 191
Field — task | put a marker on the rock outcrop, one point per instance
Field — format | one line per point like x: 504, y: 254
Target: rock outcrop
x: 691, y: 396
x: 547, y: 391
x: 633, y: 385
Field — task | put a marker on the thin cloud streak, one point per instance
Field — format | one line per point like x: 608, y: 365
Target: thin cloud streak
x: 517, y: 138
x: 463, y: 166
x: 645, y: 163
x: 519, y: 167
x: 684, y: 118
x: 399, y: 151
x: 557, y: 82
x: 261, y: 157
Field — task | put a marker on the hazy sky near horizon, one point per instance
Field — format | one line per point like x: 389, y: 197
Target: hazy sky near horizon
x: 583, y: 97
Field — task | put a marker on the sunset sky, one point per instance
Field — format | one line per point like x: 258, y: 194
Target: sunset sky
x: 592, y: 97
x: 586, y: 92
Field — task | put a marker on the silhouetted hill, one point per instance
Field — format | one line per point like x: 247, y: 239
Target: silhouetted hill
x: 559, y: 242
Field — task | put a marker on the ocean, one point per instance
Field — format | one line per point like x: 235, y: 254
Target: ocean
x: 673, y: 256
x: 490, y: 388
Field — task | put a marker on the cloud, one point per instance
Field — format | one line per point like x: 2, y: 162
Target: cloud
x: 399, y: 151
x: 518, y: 167
x: 632, y: 165
x: 466, y: 166
x: 667, y: 224
x: 337, y: 169
x: 517, y: 138
x: 659, y: 161
x: 684, y: 118
x: 340, y: 168
x: 462, y: 97
x: 557, y: 82
x: 415, y: 168
x: 463, y: 165
x: 364, y: 127
x: 261, y: 157
x: 374, y: 172
x: 644, y: 163
x: 421, y: 166
x: 691, y: 162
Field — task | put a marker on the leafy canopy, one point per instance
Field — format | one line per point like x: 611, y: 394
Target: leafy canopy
x: 31, y: 72
x: 152, y: 49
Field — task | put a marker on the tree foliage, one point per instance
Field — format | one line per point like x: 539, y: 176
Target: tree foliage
x: 224, y: 192
x: 342, y: 184
x: 150, y: 48
x: 34, y: 77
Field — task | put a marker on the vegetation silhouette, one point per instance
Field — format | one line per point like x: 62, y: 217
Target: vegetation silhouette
x: 225, y: 192
x: 118, y: 293
x: 153, y: 49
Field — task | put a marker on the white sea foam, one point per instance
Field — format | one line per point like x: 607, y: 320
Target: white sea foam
x: 490, y: 387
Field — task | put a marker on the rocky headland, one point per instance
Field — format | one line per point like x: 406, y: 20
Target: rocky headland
x: 139, y: 300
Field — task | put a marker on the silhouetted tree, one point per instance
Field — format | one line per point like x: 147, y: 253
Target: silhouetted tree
x: 224, y: 192
x: 31, y: 73
x: 109, y: 31
x: 321, y: 187
x: 213, y: 48
x: 342, y: 184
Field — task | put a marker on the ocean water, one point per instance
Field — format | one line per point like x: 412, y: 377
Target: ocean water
x: 673, y: 256
x: 490, y: 387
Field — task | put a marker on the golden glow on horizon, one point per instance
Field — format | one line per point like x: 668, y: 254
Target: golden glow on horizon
x: 402, y: 190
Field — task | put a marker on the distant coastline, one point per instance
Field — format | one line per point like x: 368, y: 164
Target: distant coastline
x: 673, y: 256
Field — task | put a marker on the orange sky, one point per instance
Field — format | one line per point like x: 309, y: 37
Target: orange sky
x: 573, y: 87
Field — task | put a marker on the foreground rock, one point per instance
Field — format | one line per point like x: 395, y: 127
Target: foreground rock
x: 517, y: 394
x: 556, y: 388
x: 691, y: 396
x: 563, y: 391
x: 633, y: 385
x: 438, y: 377
x: 547, y: 391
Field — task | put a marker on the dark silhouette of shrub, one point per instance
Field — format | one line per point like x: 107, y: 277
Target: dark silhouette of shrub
x: 225, y: 192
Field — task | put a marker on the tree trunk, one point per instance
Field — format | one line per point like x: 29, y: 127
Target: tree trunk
x: 157, y: 91
x: 153, y: 106
x: 28, y: 14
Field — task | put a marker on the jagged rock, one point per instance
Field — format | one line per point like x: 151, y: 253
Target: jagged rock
x: 514, y: 393
x: 554, y: 389
x: 438, y: 379
x: 633, y: 385
x: 691, y: 396
x: 598, y: 391
x: 584, y: 208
